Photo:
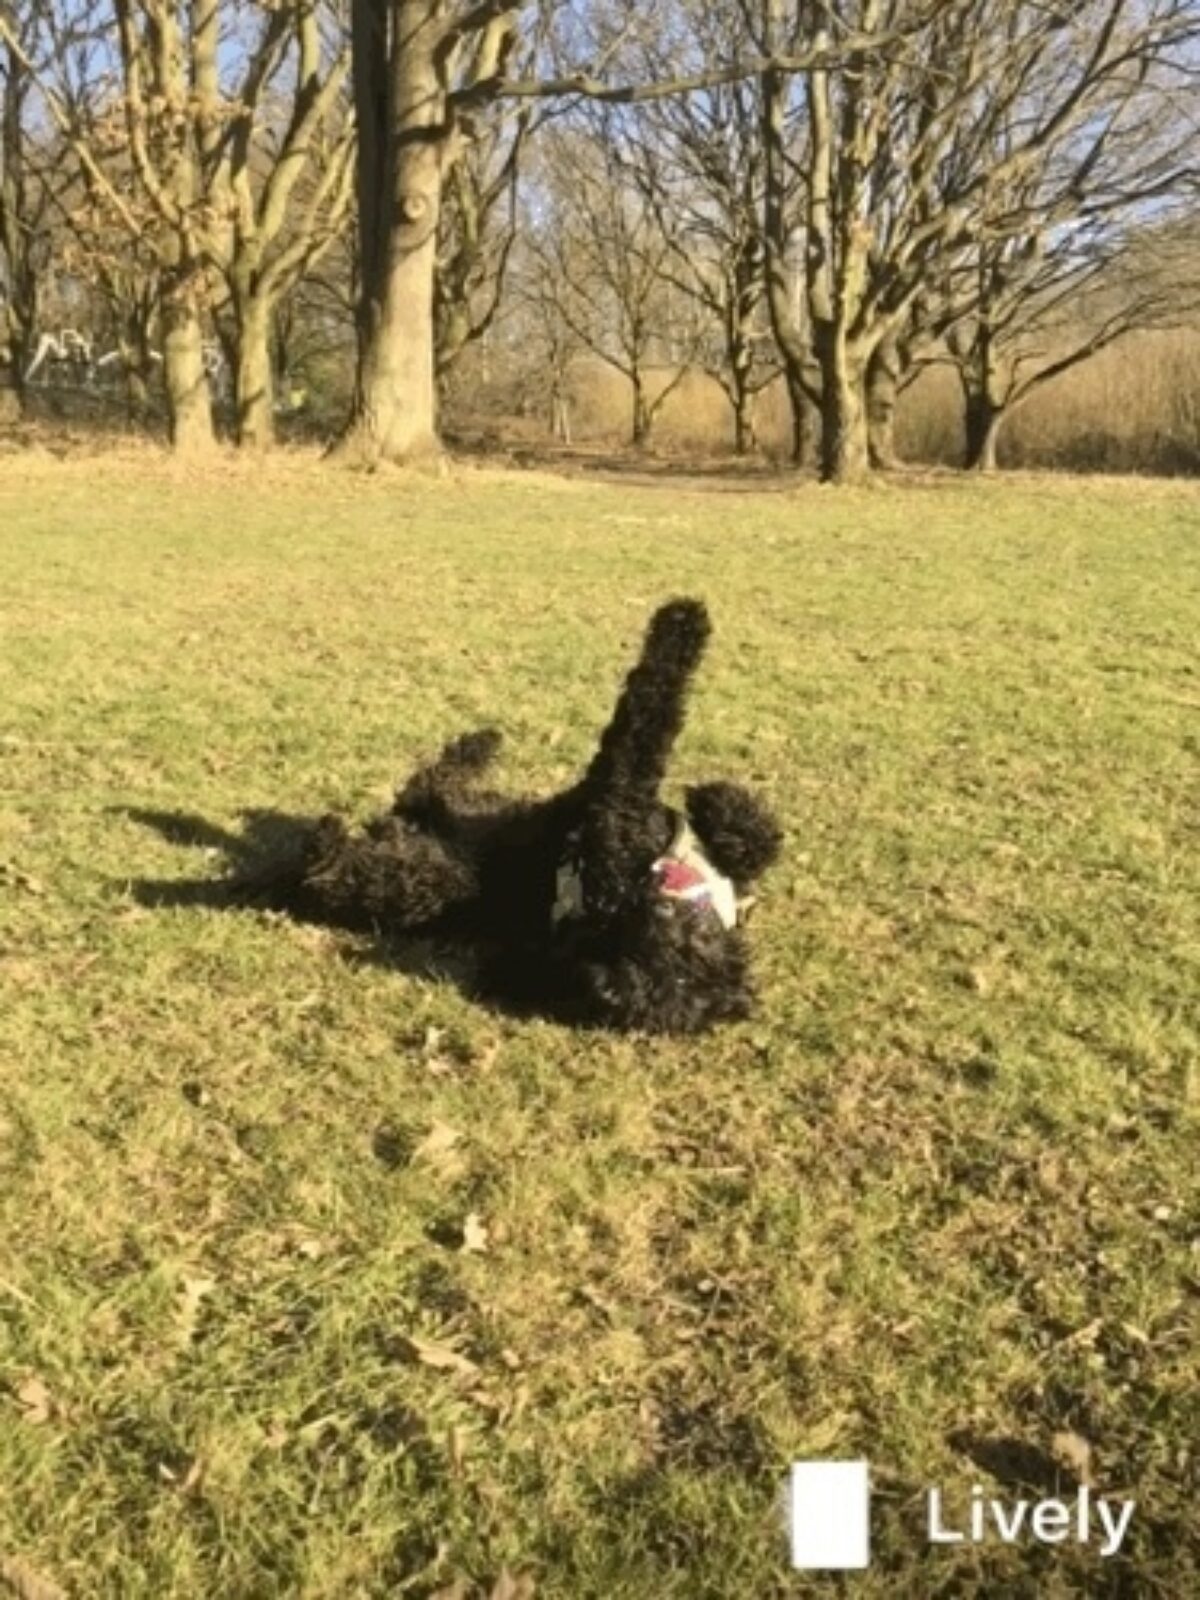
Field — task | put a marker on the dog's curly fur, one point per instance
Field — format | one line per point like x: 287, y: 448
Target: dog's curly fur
x: 454, y: 859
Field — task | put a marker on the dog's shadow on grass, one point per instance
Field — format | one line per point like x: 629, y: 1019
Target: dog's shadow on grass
x: 266, y: 851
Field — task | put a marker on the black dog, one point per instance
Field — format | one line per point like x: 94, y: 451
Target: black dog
x: 596, y: 905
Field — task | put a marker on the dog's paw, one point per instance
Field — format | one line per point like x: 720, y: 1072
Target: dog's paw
x: 329, y: 839
x: 475, y: 750
x: 680, y: 625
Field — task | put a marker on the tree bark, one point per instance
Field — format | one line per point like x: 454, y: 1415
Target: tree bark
x: 18, y: 321
x: 845, y: 443
x: 133, y: 303
x: 745, y: 440
x: 137, y: 388
x: 254, y: 377
x: 790, y: 339
x: 402, y: 137
x: 642, y: 414
x: 560, y: 417
x: 883, y: 382
x: 804, y: 415
x: 189, y: 403
x: 983, y: 419
x: 845, y: 452
x: 984, y: 397
x: 740, y: 341
x: 17, y: 334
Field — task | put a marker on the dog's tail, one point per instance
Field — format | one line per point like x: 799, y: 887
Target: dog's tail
x: 636, y: 745
x: 435, y: 786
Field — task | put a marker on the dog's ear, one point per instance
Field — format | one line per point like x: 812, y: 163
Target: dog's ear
x: 740, y: 836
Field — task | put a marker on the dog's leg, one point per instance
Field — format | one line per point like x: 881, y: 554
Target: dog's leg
x: 648, y: 717
x: 396, y: 880
x: 432, y: 790
x: 616, y: 839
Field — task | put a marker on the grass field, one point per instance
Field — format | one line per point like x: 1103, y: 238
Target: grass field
x: 318, y: 1280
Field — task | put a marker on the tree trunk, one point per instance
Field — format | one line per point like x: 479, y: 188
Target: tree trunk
x: 985, y: 395
x: 741, y: 367
x: 137, y: 391
x: 254, y: 385
x: 803, y: 416
x: 401, y: 116
x: 135, y: 311
x: 189, y: 403
x: 790, y: 338
x: 17, y: 328
x: 642, y: 416
x: 745, y: 440
x: 845, y: 450
x: 560, y: 417
x: 883, y: 381
x: 19, y: 305
x: 746, y: 288
x: 983, y: 421
x: 18, y: 323
x: 845, y: 444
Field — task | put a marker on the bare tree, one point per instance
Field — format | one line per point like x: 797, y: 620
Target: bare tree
x: 409, y: 58
x: 698, y: 160
x: 23, y: 205
x: 904, y: 146
x: 1043, y: 307
x: 607, y: 266
x: 478, y: 230
x: 222, y: 149
x: 286, y: 163
x: 419, y: 65
x: 89, y: 244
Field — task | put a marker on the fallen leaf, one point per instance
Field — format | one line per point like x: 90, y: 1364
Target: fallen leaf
x: 1072, y: 1451
x: 441, y: 1356
x: 26, y: 1584
x: 507, y: 1587
x: 459, y: 1589
x: 191, y: 1479
x: 34, y: 1399
x: 192, y: 1293
x: 21, y: 879
x: 1086, y: 1336
x: 487, y: 1055
x: 475, y: 1234
x: 444, y: 1051
x: 437, y: 1143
